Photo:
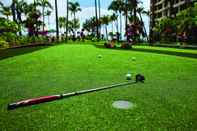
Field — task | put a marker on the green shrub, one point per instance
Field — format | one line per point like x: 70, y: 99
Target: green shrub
x: 24, y: 40
x: 9, y: 26
x: 11, y: 38
x: 3, y: 43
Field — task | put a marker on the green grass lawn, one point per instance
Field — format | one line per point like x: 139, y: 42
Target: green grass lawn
x: 166, y: 101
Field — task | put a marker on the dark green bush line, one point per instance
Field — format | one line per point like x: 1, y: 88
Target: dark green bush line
x: 176, y: 45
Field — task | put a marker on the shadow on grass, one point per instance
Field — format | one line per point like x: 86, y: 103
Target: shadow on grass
x: 6, y: 53
x: 166, y: 52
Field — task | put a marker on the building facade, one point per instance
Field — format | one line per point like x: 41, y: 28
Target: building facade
x: 166, y: 8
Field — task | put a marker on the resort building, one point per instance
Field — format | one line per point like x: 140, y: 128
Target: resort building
x: 166, y: 8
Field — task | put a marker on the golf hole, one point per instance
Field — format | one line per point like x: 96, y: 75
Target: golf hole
x: 121, y: 104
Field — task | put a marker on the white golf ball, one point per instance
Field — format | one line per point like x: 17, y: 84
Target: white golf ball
x: 99, y: 56
x: 128, y: 76
x: 133, y: 58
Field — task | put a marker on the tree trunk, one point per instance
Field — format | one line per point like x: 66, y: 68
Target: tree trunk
x: 117, y: 28
x: 13, y: 8
x: 56, y: 16
x: 48, y: 21
x: 43, y: 18
x: 126, y: 17
x: 67, y: 13
x: 97, y: 28
x: 135, y: 10
x: 112, y: 27
x: 19, y: 19
x: 106, y: 32
x: 143, y: 25
x: 120, y: 25
x: 99, y: 13
x: 74, y: 23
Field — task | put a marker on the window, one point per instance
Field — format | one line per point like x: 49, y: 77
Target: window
x: 159, y: 7
x: 176, y: 1
x: 183, y: 7
x: 159, y: 15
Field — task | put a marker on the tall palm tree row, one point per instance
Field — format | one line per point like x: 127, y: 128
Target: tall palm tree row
x: 130, y: 9
x: 31, y: 13
x: 27, y: 14
x: 91, y: 24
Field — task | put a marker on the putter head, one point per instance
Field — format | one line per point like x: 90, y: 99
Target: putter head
x: 139, y: 78
x: 12, y: 106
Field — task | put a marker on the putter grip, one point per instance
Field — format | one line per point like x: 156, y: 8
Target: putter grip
x: 33, y: 101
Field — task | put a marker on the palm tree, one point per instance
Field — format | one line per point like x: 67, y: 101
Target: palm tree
x: 48, y: 13
x: 141, y: 11
x: 67, y: 16
x: 5, y: 10
x: 114, y: 6
x: 99, y: 9
x: 62, y: 22
x: 13, y: 8
x: 126, y: 14
x: 20, y: 9
x: 44, y: 4
x: 113, y: 18
x: 117, y: 6
x: 72, y: 26
x: 87, y: 25
x: 105, y: 20
x: 32, y: 21
x: 135, y: 3
x: 74, y: 7
x: 99, y: 14
x: 1, y: 4
x: 75, y: 24
x: 120, y: 9
x: 96, y: 16
x: 90, y: 24
x: 56, y: 17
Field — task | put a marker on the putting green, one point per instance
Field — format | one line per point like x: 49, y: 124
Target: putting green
x: 166, y: 101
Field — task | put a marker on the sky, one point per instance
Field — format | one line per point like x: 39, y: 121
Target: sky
x: 88, y: 10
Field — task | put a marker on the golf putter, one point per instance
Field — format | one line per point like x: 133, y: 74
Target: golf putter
x: 33, y: 101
